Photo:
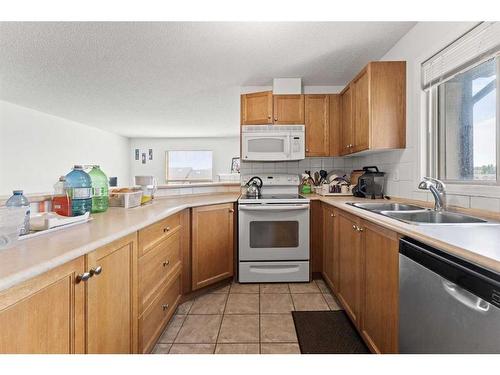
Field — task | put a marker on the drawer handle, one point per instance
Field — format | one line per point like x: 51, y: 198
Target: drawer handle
x: 95, y: 271
x: 83, y: 277
x: 165, y: 306
x: 166, y: 263
x: 167, y: 229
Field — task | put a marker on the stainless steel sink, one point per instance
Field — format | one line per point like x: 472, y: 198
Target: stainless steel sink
x: 432, y: 217
x: 387, y: 206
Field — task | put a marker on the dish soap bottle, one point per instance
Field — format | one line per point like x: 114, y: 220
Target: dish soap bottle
x: 19, y: 200
x: 79, y: 187
x: 61, y: 203
x: 100, y: 198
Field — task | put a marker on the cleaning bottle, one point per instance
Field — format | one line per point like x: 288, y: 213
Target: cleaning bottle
x: 61, y: 202
x: 100, y: 198
x: 19, y: 200
x: 79, y: 187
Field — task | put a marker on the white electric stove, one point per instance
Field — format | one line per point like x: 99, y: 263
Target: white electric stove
x: 274, y: 232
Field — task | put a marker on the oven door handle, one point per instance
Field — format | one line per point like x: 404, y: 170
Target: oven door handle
x: 267, y: 207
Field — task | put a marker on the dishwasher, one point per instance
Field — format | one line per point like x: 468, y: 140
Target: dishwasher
x: 446, y: 304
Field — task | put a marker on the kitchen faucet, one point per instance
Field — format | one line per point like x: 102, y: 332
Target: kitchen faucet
x: 437, y: 188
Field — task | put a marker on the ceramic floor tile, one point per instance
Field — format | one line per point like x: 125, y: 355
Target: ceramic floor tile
x: 239, y: 329
x: 222, y: 289
x: 304, y: 287
x: 184, y: 308
x: 322, y: 286
x: 280, y: 348
x: 244, y: 288
x: 274, y: 288
x: 275, y: 303
x: 332, y: 302
x: 170, y: 333
x: 237, y: 349
x: 209, y: 304
x: 192, y: 349
x: 199, y: 329
x: 277, y: 328
x: 242, y: 304
x: 309, y: 302
x: 161, y: 349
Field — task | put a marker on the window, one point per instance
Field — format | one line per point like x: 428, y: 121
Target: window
x: 462, y: 90
x: 189, y: 166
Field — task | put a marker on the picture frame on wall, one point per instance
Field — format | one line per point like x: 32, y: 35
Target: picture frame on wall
x: 235, y: 165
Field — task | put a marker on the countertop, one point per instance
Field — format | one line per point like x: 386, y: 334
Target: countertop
x: 34, y: 256
x: 478, y: 244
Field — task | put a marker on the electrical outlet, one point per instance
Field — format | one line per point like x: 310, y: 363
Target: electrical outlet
x: 395, y: 175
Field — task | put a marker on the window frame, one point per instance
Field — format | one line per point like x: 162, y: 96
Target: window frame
x: 190, y: 181
x: 436, y: 138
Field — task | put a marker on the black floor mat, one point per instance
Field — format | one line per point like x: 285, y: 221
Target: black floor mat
x: 327, y: 332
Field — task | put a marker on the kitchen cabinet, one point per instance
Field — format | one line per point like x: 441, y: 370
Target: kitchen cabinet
x: 111, y: 316
x: 257, y: 108
x: 350, y: 270
x: 316, y: 236
x: 317, y: 125
x: 374, y: 108
x: 330, y: 253
x: 288, y: 109
x: 380, y: 288
x: 346, y: 128
x: 335, y: 121
x: 45, y: 314
x: 212, y: 244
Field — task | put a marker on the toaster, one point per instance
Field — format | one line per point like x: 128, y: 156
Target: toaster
x: 370, y: 184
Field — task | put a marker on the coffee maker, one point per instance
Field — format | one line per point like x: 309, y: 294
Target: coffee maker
x: 370, y: 184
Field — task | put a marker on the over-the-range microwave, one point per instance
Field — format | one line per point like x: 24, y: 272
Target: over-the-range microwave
x: 272, y: 142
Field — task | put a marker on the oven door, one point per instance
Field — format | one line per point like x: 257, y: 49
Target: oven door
x: 265, y: 147
x: 273, y: 232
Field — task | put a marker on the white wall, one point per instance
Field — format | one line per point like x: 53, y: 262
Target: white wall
x: 224, y: 149
x: 37, y: 148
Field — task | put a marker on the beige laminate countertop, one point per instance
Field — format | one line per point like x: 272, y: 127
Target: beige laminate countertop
x: 32, y: 257
x: 479, y: 244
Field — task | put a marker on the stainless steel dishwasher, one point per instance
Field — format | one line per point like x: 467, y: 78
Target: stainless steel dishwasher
x: 446, y: 305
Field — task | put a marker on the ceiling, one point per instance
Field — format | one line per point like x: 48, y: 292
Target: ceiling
x: 174, y: 79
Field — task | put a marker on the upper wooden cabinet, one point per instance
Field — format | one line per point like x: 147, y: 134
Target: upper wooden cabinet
x: 374, y: 108
x: 45, y: 314
x: 212, y: 244
x: 288, y: 109
x: 257, y: 108
x: 335, y: 120
x: 317, y: 125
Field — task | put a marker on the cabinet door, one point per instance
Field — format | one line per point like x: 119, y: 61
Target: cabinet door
x: 317, y: 125
x: 112, y: 298
x: 349, y: 238
x: 288, y: 109
x: 335, y: 119
x: 212, y: 244
x: 329, y: 245
x: 45, y: 314
x: 316, y: 236
x: 361, y: 113
x: 380, y: 288
x: 346, y: 128
x: 257, y: 108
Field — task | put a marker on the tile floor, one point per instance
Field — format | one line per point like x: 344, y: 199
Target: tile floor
x: 243, y: 319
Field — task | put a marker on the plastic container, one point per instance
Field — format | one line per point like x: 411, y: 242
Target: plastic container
x: 61, y: 203
x: 100, y: 199
x: 79, y: 187
x: 125, y: 199
x: 19, y: 200
x: 11, y: 222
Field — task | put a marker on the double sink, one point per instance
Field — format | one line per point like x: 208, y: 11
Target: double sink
x: 414, y: 214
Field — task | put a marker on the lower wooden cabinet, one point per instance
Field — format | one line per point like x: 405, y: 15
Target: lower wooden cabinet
x: 330, y: 254
x: 379, y: 324
x: 212, y: 244
x: 112, y: 298
x: 45, y: 314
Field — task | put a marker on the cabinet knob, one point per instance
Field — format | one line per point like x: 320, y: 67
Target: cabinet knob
x: 354, y: 227
x: 164, y: 306
x: 231, y: 210
x: 359, y: 229
x: 166, y: 263
x: 166, y: 229
x: 269, y: 117
x: 95, y: 271
x: 307, y: 150
x: 83, y: 277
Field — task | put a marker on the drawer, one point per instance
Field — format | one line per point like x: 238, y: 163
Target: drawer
x: 157, y: 266
x: 272, y: 272
x: 155, y: 318
x: 151, y: 235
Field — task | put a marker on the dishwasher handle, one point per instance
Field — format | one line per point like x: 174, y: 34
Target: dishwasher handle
x: 465, y: 297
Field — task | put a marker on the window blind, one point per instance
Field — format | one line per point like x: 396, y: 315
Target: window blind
x: 480, y: 43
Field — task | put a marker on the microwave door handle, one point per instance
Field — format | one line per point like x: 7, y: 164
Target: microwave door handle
x: 287, y: 145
